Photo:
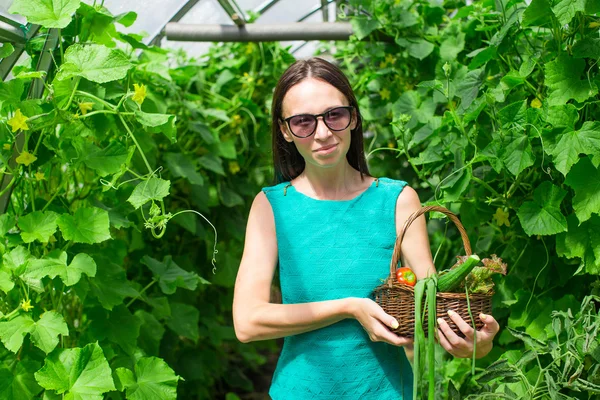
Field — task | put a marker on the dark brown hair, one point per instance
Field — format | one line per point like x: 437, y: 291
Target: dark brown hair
x: 287, y: 161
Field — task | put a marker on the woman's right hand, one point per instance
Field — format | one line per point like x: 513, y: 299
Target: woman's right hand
x: 375, y: 321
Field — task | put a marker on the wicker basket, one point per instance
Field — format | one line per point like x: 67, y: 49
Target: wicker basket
x: 398, y: 300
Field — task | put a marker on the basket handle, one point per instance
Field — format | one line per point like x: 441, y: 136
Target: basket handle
x: 397, y: 251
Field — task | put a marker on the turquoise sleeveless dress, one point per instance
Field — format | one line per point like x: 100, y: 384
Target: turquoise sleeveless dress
x: 332, y: 249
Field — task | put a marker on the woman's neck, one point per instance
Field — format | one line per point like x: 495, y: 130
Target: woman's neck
x: 330, y: 184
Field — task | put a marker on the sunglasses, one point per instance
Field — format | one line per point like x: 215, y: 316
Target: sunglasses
x: 304, y: 125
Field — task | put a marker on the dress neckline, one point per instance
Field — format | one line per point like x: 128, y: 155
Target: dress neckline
x: 290, y: 186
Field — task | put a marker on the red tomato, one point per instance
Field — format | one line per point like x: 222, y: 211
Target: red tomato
x: 406, y: 276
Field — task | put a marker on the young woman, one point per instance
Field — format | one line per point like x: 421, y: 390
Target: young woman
x: 330, y: 227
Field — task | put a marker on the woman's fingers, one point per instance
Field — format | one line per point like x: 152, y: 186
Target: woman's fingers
x: 490, y: 324
x: 444, y: 342
x: 449, y: 334
x: 461, y: 324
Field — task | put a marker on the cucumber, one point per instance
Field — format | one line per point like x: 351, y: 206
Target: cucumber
x: 454, y: 277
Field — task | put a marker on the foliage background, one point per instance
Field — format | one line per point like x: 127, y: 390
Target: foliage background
x: 487, y: 109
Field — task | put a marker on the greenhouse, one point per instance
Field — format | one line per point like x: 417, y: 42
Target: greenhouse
x: 312, y: 199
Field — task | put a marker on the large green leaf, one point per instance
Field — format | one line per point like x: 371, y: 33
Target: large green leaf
x: 6, y: 281
x: 119, y: 326
x: 363, y: 26
x: 46, y: 330
x: 110, y: 285
x: 80, y: 373
x: 13, y: 332
x: 104, y: 161
x: 56, y: 265
x: 573, y: 143
x: 159, y: 123
x: 468, y: 88
x: 153, y: 379
x: 151, y: 332
x: 151, y: 189
x: 581, y: 241
x: 88, y: 225
x: 212, y: 163
x: 584, y: 178
x: 48, y: 13
x: 562, y: 77
x: 452, y: 43
x: 94, y: 62
x: 169, y: 275
x: 18, y: 382
x: 38, y: 225
x: 539, y: 12
x: 417, y: 47
x: 184, y: 320
x: 542, y: 216
x: 518, y: 155
x: 180, y: 165
x: 565, y: 10
x: 7, y: 222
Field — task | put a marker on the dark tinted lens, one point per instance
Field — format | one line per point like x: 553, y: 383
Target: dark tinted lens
x: 302, y: 125
x: 338, y: 118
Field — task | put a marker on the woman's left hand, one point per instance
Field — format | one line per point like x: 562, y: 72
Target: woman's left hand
x: 463, y: 347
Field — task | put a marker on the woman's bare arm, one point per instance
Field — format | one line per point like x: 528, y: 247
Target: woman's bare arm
x: 255, y: 318
x: 416, y: 251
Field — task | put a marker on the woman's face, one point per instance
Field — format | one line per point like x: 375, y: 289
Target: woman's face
x: 314, y: 96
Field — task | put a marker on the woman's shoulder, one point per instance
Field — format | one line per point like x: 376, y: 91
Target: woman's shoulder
x: 273, y: 188
x: 392, y: 182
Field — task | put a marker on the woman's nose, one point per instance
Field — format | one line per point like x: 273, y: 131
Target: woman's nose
x: 322, y: 131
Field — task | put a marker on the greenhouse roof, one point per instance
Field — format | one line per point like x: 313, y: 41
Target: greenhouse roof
x: 154, y: 15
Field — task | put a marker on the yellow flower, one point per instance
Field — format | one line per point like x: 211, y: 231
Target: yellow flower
x: 385, y: 94
x: 26, y: 158
x: 139, y: 93
x: 85, y: 107
x: 39, y: 176
x: 390, y: 59
x: 594, y: 24
x: 391, y: 145
x: 236, y: 120
x: 18, y: 121
x: 234, y: 167
x: 501, y: 217
x: 249, y: 48
x: 260, y: 82
x: 536, y: 103
x: 382, y: 65
x: 6, y: 146
x: 26, y: 305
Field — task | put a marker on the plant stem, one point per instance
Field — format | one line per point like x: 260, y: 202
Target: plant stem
x: 91, y: 96
x: 136, y: 143
x: 152, y: 282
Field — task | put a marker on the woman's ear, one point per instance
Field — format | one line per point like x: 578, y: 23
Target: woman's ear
x: 354, y: 123
x: 286, y: 134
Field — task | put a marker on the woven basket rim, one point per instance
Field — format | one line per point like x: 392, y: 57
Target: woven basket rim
x: 447, y: 295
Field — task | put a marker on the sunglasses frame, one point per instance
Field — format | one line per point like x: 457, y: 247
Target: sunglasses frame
x: 316, y: 117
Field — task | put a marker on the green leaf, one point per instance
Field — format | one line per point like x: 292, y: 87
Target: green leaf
x: 11, y: 92
x: 119, y: 326
x: 184, y: 320
x: 104, y: 161
x: 18, y: 382
x: 6, y: 50
x: 573, y: 143
x: 46, y: 331
x: 110, y: 285
x: 151, y: 189
x: 542, y: 216
x: 17, y: 258
x: 410, y: 103
x: 417, y: 47
x: 363, y: 26
x: 38, y: 225
x: 581, y: 241
x: 7, y: 222
x: 538, y: 13
x: 169, y: 275
x: 153, y: 379
x: 514, y: 114
x: 89, y: 225
x: 56, y: 265
x: 587, y: 48
x: 565, y: 115
x: 453, y: 43
x: 584, y: 178
x: 48, y: 13
x: 180, y: 165
x: 518, y: 155
x: 562, y: 77
x: 482, y: 56
x: 468, y: 88
x: 151, y: 332
x: 6, y: 282
x: 565, y: 10
x: 229, y: 198
x: 212, y: 163
x: 158, y: 123
x: 94, y: 62
x: 13, y: 332
x: 81, y: 373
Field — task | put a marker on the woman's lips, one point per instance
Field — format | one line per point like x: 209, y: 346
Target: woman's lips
x: 326, y: 149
